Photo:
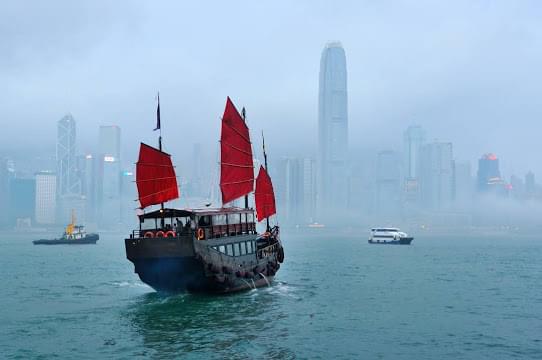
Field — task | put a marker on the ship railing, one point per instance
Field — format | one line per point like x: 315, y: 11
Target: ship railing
x: 141, y: 233
x: 267, y: 251
x: 218, y: 231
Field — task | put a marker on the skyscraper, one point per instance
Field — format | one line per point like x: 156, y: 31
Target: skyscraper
x: 332, y: 129
x: 413, y: 140
x: 110, y: 171
x: 436, y: 175
x: 46, y: 186
x: 388, y: 183
x: 489, y: 175
x: 68, y: 183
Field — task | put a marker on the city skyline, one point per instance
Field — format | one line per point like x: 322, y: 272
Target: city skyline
x: 401, y: 72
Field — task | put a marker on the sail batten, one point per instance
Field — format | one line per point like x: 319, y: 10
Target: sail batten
x: 264, y: 195
x: 236, y: 164
x: 155, y: 177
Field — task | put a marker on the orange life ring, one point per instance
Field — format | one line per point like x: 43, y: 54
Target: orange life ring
x: 200, y: 234
x: 170, y: 233
x: 149, y: 234
x: 160, y: 234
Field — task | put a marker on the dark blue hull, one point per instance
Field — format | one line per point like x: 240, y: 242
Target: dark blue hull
x: 403, y: 241
x: 178, y: 274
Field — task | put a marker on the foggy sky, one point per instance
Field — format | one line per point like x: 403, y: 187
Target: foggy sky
x: 469, y: 72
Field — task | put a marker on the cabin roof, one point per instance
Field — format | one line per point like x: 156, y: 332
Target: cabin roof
x: 172, y: 213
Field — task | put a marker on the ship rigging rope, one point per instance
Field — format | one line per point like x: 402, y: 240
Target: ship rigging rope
x: 154, y: 179
x: 158, y: 192
x: 238, y: 133
x: 236, y: 148
x: 237, y: 182
x: 237, y: 165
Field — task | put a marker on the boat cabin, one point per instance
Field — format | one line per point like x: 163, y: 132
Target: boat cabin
x: 209, y: 223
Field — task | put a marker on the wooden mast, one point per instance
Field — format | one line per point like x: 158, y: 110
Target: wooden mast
x: 265, y: 166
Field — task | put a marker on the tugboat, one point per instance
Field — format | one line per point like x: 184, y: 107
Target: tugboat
x: 73, y: 235
x: 389, y: 236
x: 209, y: 250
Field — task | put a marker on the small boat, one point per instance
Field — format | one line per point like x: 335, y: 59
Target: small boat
x: 389, y: 236
x: 73, y: 235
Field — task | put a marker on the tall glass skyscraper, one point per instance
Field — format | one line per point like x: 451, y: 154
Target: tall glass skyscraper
x: 67, y: 182
x: 332, y: 129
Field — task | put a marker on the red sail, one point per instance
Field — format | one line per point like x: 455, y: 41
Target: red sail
x: 265, y: 196
x: 236, y: 166
x: 155, y: 177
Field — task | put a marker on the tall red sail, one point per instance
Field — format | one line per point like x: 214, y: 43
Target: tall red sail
x: 264, y: 195
x: 236, y: 166
x: 155, y: 177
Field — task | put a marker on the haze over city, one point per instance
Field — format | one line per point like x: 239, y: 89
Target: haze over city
x: 464, y: 72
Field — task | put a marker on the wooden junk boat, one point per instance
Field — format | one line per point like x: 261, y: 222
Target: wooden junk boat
x: 216, y: 250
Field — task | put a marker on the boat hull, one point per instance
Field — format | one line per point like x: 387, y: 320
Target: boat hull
x: 402, y: 241
x: 89, y: 239
x: 176, y: 265
x: 186, y: 274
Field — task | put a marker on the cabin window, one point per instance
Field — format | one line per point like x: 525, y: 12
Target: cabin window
x: 250, y: 217
x: 219, y: 220
x: 249, y: 247
x: 204, y: 220
x: 229, y: 249
x: 235, y: 250
x: 234, y: 219
x: 243, y: 246
x: 222, y: 249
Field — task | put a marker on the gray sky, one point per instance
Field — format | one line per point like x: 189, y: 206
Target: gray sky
x: 467, y: 71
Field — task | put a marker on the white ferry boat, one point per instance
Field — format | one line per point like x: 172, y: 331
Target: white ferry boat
x: 389, y: 236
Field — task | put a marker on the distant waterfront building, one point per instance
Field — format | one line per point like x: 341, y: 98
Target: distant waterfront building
x: 332, y: 130
x: 110, y: 141
x: 46, y: 186
x: 388, y: 183
x: 128, y: 195
x: 309, y: 189
x: 436, y: 175
x: 413, y: 140
x: 109, y: 175
x: 68, y: 183
x: 489, y: 176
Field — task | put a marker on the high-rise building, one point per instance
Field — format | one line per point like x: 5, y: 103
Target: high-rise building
x: 309, y: 189
x: 46, y: 186
x: 489, y: 176
x: 110, y: 141
x: 413, y: 140
x: 332, y: 131
x: 388, y: 180
x: 68, y: 183
x: 436, y: 175
x: 109, y: 191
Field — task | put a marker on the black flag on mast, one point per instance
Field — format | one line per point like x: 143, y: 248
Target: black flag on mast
x: 158, y: 114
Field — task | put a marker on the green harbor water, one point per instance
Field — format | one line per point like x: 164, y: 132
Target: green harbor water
x: 334, y: 297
